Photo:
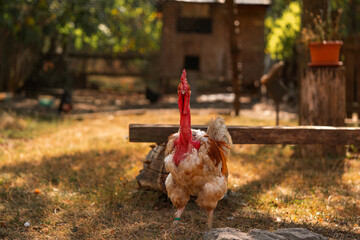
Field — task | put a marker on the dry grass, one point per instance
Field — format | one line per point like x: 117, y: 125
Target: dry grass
x: 74, y: 179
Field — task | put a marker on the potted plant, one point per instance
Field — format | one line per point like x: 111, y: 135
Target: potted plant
x: 323, y: 39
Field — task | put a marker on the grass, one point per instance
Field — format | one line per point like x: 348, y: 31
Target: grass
x: 122, y: 85
x: 75, y: 179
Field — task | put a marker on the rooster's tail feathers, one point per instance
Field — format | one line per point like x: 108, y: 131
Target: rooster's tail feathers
x: 220, y: 143
x: 217, y: 130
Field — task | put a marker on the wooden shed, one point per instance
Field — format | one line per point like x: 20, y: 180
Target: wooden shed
x: 195, y: 36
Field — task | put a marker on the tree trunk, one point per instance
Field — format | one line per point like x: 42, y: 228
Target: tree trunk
x: 310, y: 8
x: 322, y: 102
x: 234, y: 55
x: 16, y: 62
x: 5, y: 50
x: 153, y: 174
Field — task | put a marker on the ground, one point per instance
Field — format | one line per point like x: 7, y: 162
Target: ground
x: 87, y: 101
x: 73, y: 177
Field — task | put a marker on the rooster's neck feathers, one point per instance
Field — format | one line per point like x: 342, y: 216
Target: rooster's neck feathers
x: 185, y: 143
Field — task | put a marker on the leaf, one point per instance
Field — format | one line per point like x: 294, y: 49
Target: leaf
x: 30, y: 21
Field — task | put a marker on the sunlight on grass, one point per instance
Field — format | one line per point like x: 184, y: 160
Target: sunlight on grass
x: 76, y: 179
x: 117, y: 84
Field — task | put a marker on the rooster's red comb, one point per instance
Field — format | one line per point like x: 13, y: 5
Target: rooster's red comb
x: 183, y: 78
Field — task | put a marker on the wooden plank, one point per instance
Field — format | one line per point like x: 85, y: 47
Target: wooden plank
x: 126, y: 56
x: 256, y: 135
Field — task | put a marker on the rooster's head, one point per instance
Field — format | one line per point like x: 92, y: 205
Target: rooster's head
x: 184, y: 93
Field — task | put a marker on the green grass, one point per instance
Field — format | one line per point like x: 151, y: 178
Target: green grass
x: 122, y: 85
x: 13, y: 126
x: 75, y: 179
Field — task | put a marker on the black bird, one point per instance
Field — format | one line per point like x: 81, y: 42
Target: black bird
x: 152, y: 96
x: 66, y: 102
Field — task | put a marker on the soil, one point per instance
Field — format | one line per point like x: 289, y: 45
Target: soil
x: 87, y: 102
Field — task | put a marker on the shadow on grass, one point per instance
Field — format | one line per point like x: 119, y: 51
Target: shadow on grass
x: 315, y: 175
x: 68, y: 185
x: 85, y: 195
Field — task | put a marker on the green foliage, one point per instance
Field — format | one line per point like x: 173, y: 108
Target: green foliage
x: 283, y: 25
x: 283, y: 30
x: 135, y: 24
x: 128, y: 26
x: 350, y: 19
x: 105, y: 25
x: 34, y: 33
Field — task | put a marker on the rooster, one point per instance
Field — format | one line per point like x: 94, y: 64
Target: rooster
x: 65, y: 102
x: 196, y: 160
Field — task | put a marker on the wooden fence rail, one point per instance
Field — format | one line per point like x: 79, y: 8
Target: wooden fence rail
x: 159, y: 133
x: 154, y: 174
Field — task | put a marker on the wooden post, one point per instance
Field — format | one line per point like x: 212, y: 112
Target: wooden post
x: 274, y: 87
x: 277, y: 107
x: 322, y: 102
x: 235, y: 53
x: 351, y: 51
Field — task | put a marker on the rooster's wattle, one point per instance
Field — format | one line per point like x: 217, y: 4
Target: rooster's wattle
x: 196, y: 160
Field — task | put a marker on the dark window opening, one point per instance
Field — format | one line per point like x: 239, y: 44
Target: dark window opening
x: 194, y: 25
x: 192, y: 63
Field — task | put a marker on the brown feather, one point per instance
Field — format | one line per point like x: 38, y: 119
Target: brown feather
x: 216, y: 154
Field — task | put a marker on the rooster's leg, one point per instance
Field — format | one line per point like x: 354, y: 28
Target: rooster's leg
x: 179, y: 197
x: 178, y: 215
x: 177, y: 226
x: 209, y: 219
x: 179, y: 212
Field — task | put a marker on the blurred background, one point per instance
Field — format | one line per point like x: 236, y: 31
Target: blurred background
x: 118, y: 54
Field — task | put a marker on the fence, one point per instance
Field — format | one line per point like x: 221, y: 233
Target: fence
x: 351, y: 52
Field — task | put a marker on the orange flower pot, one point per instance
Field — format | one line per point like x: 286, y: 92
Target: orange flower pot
x: 326, y: 53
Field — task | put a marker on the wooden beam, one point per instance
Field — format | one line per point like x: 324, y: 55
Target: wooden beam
x: 159, y: 133
x: 125, y: 56
x: 108, y: 73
